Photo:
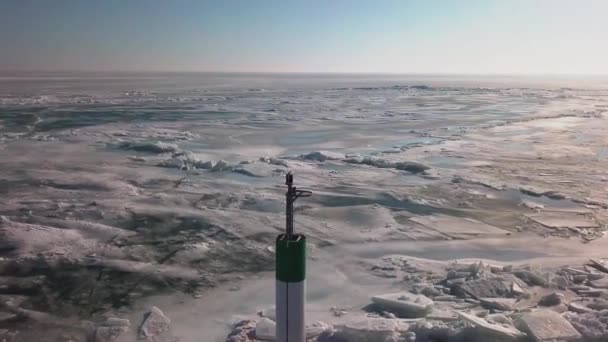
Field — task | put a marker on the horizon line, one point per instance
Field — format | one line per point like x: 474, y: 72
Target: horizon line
x: 262, y: 72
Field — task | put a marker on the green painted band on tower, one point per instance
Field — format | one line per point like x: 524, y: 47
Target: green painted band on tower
x: 291, y: 258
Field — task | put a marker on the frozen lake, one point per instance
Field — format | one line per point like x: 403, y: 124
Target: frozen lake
x: 124, y: 190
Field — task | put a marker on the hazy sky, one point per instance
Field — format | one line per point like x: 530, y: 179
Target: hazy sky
x: 401, y: 36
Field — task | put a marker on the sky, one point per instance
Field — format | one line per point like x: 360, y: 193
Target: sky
x: 337, y: 36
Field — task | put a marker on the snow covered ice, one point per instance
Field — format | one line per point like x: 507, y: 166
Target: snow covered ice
x: 480, y: 197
